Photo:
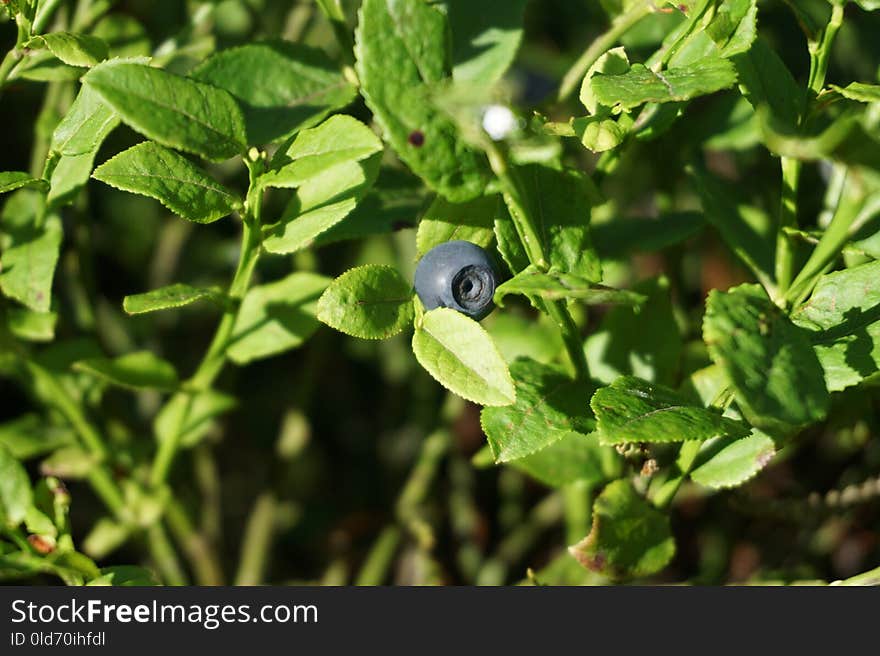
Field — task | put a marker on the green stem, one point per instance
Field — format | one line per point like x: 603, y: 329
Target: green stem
x: 375, y: 568
x: 164, y: 555
x: 434, y: 448
x: 578, y: 511
x: 820, y: 51
x: 44, y: 15
x: 527, y: 231
x: 619, y: 26
x: 514, y: 547
x: 57, y: 397
x: 687, y: 456
x: 215, y: 358
x: 791, y: 173
x: 332, y: 9
x: 199, y: 551
x: 14, y: 56
x: 519, y: 212
x: 257, y: 541
x: 827, y: 250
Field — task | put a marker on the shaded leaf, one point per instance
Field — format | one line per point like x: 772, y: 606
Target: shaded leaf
x: 559, y: 203
x: 16, y: 496
x: 629, y: 537
x: 549, y: 407
x: 28, y: 262
x: 574, y: 457
x: 31, y: 326
x: 469, y: 221
x: 843, y: 317
x: 137, y: 370
x: 769, y: 361
x: 194, y: 413
x: 276, y: 317
x: 485, y: 38
x: 282, y: 87
x: 622, y: 346
x: 747, y: 231
x: 124, y: 576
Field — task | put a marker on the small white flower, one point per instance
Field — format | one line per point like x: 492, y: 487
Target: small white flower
x: 499, y: 122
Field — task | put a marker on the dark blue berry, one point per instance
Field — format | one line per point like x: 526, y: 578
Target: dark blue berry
x: 457, y: 275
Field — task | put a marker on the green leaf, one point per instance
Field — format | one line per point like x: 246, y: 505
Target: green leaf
x: 333, y: 166
x: 769, y: 361
x: 28, y: 262
x: 730, y: 462
x: 401, y: 51
x: 71, y: 462
x: 29, y: 436
x: 629, y: 537
x: 613, y: 62
x: 485, y: 38
x: 747, y: 231
x: 622, y: 346
x: 517, y: 336
x: 73, y: 49
x: 124, y: 36
x: 622, y: 236
x: 868, y: 93
x: 640, y: 84
x: 282, y: 87
x: 843, y: 317
x: 276, y: 317
x: 766, y: 81
x: 392, y: 204
x: 470, y: 221
x: 75, y: 142
x: 150, y: 170
x: 370, y: 302
x: 31, y: 326
x: 16, y: 496
x: 559, y: 203
x: 554, y: 285
x: 12, y: 180
x: 43, y: 66
x: 634, y: 410
x: 549, y: 406
x: 85, y: 126
x: 177, y: 112
x: 105, y: 537
x: 198, y: 411
x: 164, y: 298
x: 462, y: 357
x: 138, y: 370
x: 69, y: 176
x: 574, y: 457
x: 598, y: 134
x: 338, y: 140
x: 124, y: 576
